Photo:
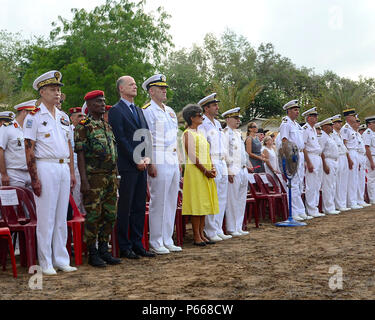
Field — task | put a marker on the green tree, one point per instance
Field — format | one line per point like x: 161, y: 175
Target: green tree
x: 95, y: 48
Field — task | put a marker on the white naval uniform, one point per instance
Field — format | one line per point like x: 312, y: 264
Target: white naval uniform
x: 313, y: 180
x: 349, y: 134
x: 342, y: 172
x: 331, y: 155
x: 361, y: 149
x: 293, y: 132
x: 215, y: 137
x: 164, y: 188
x: 51, y: 137
x: 369, y: 140
x: 12, y: 142
x: 237, y: 191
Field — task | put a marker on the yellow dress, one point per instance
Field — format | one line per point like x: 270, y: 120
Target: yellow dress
x: 199, y: 192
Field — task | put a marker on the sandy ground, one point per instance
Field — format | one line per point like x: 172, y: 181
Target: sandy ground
x: 270, y: 263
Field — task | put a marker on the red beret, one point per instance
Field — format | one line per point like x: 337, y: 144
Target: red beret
x: 75, y: 110
x: 107, y: 108
x: 94, y: 94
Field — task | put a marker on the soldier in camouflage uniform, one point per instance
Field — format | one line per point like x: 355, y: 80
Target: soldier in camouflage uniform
x: 97, y: 156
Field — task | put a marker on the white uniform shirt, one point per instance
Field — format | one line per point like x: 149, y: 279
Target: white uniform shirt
x: 339, y: 143
x: 237, y: 156
x: 12, y: 142
x: 369, y: 140
x: 329, y: 146
x: 51, y: 135
x: 361, y: 145
x: 347, y: 133
x: 215, y: 137
x: 310, y: 139
x: 292, y: 131
x: 163, y: 125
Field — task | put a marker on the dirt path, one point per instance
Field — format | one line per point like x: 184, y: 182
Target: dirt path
x: 270, y: 263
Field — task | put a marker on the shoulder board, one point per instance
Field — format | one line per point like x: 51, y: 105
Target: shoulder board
x: 304, y: 127
x: 146, y: 105
x: 285, y: 120
x: 226, y: 129
x: 6, y: 124
x: 35, y: 111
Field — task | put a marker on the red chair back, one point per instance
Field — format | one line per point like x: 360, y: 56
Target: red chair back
x: 261, y: 188
x: 275, y: 186
x: 17, y: 215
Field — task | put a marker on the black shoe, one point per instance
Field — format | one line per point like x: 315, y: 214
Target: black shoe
x: 200, y: 244
x: 94, y: 258
x: 129, y: 254
x: 106, y: 256
x: 210, y: 242
x: 144, y: 253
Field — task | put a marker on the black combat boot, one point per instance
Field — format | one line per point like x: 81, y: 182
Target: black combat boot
x: 94, y: 258
x: 105, y: 255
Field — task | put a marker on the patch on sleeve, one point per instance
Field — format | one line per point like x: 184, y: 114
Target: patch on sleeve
x: 29, y: 123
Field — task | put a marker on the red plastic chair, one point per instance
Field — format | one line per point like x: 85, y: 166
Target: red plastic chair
x: 76, y: 225
x: 262, y: 198
x: 281, y: 198
x: 27, y: 232
x: 251, y: 209
x: 5, y: 235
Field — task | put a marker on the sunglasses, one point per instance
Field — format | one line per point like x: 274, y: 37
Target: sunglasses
x: 199, y: 115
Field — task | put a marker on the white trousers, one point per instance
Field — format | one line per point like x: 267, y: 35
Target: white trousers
x: 19, y: 178
x: 214, y: 223
x: 329, y: 186
x: 298, y: 207
x: 313, y: 183
x: 51, y: 209
x: 236, y: 203
x: 163, y: 204
x: 361, y: 178
x: 370, y: 182
x: 342, y: 182
x: 353, y: 180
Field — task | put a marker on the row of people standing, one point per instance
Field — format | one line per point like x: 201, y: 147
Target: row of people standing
x: 328, y: 163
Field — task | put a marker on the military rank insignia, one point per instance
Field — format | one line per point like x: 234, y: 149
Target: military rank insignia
x: 64, y: 122
x: 47, y: 135
x: 44, y: 123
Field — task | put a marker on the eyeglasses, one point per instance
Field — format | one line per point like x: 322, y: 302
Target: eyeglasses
x: 199, y: 115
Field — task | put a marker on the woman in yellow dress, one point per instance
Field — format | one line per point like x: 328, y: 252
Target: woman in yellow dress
x: 199, y: 190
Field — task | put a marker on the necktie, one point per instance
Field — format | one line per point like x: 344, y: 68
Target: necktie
x: 135, y: 114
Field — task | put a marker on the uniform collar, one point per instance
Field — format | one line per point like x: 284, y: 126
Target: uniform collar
x: 155, y: 105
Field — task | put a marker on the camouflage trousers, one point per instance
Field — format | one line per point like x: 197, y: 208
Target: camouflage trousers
x: 100, y: 203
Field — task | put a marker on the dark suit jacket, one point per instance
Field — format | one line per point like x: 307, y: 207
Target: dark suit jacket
x: 124, y: 127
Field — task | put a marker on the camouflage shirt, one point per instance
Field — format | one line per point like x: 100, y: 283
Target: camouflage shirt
x: 95, y: 138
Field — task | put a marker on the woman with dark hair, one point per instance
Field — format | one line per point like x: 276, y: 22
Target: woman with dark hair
x: 199, y: 191
x: 254, y: 148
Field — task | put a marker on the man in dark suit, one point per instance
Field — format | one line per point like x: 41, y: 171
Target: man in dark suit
x: 134, y: 151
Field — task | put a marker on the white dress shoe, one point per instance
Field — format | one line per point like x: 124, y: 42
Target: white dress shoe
x: 173, y: 248
x: 244, y: 233
x: 236, y: 234
x: 356, y: 207
x: 344, y: 209
x: 49, y: 272
x: 216, y: 239
x: 321, y: 214
x: 160, y: 250
x: 364, y: 204
x: 305, y: 217
x: 333, y: 212
x: 314, y: 215
x: 224, y: 236
x: 297, y: 218
x: 66, y: 268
